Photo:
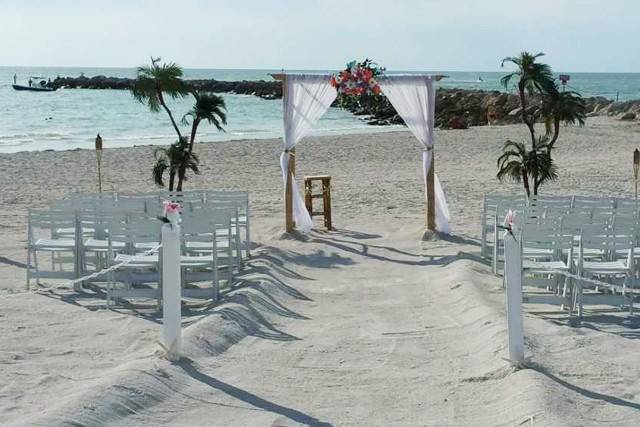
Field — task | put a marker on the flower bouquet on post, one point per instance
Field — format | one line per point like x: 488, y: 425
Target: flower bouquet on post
x: 171, y: 212
x: 359, y: 78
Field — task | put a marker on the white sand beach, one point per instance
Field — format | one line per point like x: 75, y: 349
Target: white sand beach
x: 364, y: 325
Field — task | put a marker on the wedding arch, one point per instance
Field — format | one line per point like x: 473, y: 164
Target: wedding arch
x: 307, y: 97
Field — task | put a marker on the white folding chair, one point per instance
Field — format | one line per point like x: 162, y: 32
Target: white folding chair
x: 207, y: 250
x: 240, y: 200
x: 141, y: 269
x: 614, y: 267
x: 42, y: 237
x: 546, y: 253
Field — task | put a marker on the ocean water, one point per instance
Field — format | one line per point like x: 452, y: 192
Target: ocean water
x: 71, y: 118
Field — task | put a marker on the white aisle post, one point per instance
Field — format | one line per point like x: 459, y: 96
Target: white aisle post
x: 513, y: 279
x: 171, y: 291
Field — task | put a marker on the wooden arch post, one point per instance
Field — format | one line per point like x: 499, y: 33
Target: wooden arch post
x: 288, y: 193
x: 431, y: 185
x: 431, y: 195
x: 289, y: 223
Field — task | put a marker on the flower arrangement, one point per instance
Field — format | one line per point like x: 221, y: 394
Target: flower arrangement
x: 509, y: 220
x: 171, y: 212
x: 359, y: 78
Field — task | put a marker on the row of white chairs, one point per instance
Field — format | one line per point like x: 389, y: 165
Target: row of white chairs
x: 86, y: 234
x: 593, y: 239
x: 495, y: 207
x: 151, y: 203
x: 554, y: 252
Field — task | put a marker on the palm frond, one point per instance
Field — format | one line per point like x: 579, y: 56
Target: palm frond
x: 532, y: 76
x: 512, y: 162
x: 156, y: 79
x: 212, y: 108
x: 505, y: 80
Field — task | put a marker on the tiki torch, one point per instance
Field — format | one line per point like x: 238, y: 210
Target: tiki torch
x: 636, y: 166
x: 99, y: 160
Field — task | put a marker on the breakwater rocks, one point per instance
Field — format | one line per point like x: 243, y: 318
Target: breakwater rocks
x: 461, y: 108
x: 455, y: 108
x: 261, y: 88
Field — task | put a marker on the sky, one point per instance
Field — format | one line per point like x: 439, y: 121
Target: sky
x: 429, y: 35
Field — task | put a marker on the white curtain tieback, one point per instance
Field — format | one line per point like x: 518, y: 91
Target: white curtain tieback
x: 428, y: 148
x: 289, y: 152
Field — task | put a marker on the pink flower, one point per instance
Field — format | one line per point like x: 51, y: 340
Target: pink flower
x: 510, y: 219
x: 171, y: 208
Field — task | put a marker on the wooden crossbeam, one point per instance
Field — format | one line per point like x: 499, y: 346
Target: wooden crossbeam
x: 282, y: 76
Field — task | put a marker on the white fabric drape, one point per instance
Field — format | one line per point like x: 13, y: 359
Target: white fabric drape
x: 414, y: 98
x: 306, y: 98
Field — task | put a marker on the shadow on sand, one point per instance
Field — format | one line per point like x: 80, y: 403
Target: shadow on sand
x: 348, y: 241
x: 9, y: 261
x: 253, y: 294
x: 584, y: 392
x: 250, y: 398
x: 611, y: 321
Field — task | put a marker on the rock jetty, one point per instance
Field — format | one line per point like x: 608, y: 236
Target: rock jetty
x: 261, y: 88
x: 455, y: 108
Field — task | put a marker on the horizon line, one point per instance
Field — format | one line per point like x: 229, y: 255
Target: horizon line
x: 308, y: 69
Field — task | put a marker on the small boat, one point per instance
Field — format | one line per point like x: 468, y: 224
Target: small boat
x: 34, y: 88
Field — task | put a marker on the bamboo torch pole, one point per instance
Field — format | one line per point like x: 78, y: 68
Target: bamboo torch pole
x: 99, y: 160
x: 636, y: 166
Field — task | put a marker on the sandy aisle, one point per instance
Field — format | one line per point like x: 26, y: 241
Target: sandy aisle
x: 404, y: 349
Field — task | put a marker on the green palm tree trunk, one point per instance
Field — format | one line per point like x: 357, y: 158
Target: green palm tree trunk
x: 194, y: 130
x: 180, y: 180
x: 556, y: 133
x: 172, y: 177
x: 183, y: 167
x: 525, y: 182
x: 528, y: 121
x: 164, y: 105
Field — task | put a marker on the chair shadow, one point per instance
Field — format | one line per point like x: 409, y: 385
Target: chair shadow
x: 584, y: 392
x: 276, y: 258
x: 249, y: 398
x: 460, y: 239
x: 253, y: 273
x: 253, y: 322
x: 9, y: 261
x: 249, y: 290
x: 349, y: 233
x: 320, y: 259
x: 629, y: 325
x: 261, y: 297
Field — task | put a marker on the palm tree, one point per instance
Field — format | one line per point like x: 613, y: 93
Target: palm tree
x: 209, y: 107
x: 518, y: 164
x: 154, y: 81
x: 532, y: 77
x: 175, y: 159
x: 560, y: 106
